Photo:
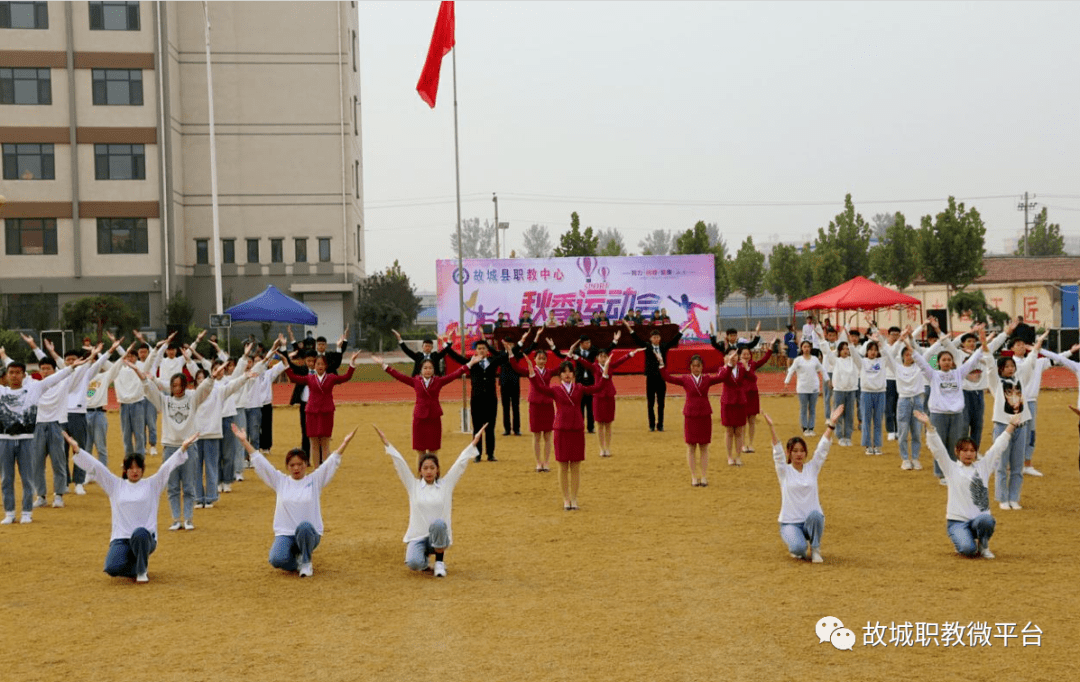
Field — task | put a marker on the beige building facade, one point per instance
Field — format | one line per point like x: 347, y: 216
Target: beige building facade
x: 104, y: 121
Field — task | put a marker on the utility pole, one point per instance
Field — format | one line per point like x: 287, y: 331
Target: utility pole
x: 495, y: 199
x: 1027, y: 205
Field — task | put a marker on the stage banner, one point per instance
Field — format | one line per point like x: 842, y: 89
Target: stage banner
x: 683, y: 285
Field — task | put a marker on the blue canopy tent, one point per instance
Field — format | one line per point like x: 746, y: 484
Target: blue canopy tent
x: 273, y: 306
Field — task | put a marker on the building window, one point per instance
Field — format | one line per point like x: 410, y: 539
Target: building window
x: 29, y: 162
x: 114, y: 16
x: 25, y: 86
x: 121, y: 235
x: 228, y: 250
x: 118, y: 86
x: 357, y: 243
x: 355, y: 122
x: 120, y: 161
x: 324, y: 249
x: 253, y: 250
x: 202, y: 252
x: 356, y: 177
x: 139, y: 301
x: 301, y: 250
x: 30, y: 236
x: 24, y: 15
x: 277, y: 250
x: 354, y: 50
x: 31, y: 311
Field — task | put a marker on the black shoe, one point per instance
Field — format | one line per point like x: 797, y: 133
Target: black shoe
x: 652, y: 428
x: 517, y: 433
x: 506, y: 433
x: 659, y: 428
x: 591, y: 431
x: 492, y: 459
x: 477, y: 458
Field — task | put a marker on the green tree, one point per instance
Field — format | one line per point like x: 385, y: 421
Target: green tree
x: 827, y: 267
x: 1043, y: 239
x: 747, y: 272
x: 99, y: 313
x: 477, y: 241
x: 848, y: 235
x: 575, y: 242
x: 696, y: 241
x: 896, y: 259
x: 179, y: 310
x: 657, y: 243
x: 537, y: 242
x: 386, y: 300
x: 975, y: 305
x: 611, y: 242
x: 951, y: 247
x: 781, y: 280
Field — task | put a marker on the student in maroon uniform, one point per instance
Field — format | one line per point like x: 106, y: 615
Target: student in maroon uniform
x: 697, y: 415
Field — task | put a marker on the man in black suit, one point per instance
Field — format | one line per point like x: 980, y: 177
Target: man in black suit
x: 585, y: 377
x: 655, y: 388
x: 509, y: 390
x: 427, y: 352
x: 483, y: 403
x: 302, y: 367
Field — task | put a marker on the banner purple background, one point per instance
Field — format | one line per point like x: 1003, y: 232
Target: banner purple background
x: 684, y: 285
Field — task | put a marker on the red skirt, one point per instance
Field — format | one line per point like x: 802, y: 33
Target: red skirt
x: 569, y: 445
x: 733, y: 414
x: 604, y: 408
x: 541, y: 417
x: 697, y: 430
x: 319, y: 424
x: 753, y: 403
x: 427, y: 434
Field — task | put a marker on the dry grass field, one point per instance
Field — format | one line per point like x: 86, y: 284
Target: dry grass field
x: 651, y: 579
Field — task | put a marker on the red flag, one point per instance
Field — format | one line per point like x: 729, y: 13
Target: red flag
x: 442, y: 40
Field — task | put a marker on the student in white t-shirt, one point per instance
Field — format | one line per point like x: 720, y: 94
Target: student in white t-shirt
x: 807, y: 369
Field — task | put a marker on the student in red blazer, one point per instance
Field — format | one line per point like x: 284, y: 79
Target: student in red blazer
x: 753, y: 402
x: 604, y: 401
x: 569, y: 425
x: 733, y: 405
x: 427, y: 413
x: 541, y: 407
x: 320, y: 406
x: 697, y: 415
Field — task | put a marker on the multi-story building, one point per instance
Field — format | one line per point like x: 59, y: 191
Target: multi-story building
x: 104, y: 122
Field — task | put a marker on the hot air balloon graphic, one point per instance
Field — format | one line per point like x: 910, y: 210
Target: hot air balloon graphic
x: 604, y: 272
x: 587, y: 265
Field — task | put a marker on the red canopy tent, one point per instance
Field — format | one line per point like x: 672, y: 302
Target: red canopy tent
x: 858, y: 294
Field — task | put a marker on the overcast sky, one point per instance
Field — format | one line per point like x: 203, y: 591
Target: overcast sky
x: 758, y: 116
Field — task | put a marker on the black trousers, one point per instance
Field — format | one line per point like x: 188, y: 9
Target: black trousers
x: 511, y: 399
x: 586, y: 411
x: 305, y: 442
x: 266, y: 431
x: 484, y: 410
x: 655, y: 391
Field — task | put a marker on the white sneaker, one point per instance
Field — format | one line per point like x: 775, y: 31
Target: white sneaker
x: 869, y: 451
x: 208, y: 505
x: 239, y: 477
x: 9, y: 518
x: 26, y: 518
x: 1004, y: 505
x: 816, y: 557
x: 79, y: 489
x: 891, y: 436
x: 306, y: 570
x: 811, y: 433
x: 188, y: 525
x: 88, y: 477
x: 916, y: 465
x: 795, y: 556
x: 906, y: 466
x: 942, y: 481
x: 1015, y: 505
x: 249, y: 465
x: 57, y: 501
x: 199, y: 505
x: 986, y: 553
x: 39, y: 501
x: 176, y: 526
x: 220, y: 487
x: 877, y: 451
x: 226, y: 488
x: 440, y: 569
x: 153, y: 451
x: 142, y: 578
x: 1032, y: 471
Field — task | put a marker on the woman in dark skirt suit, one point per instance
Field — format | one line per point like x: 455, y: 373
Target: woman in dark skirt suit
x: 427, y: 413
x: 697, y: 416
x: 569, y: 425
x: 753, y: 401
x: 541, y: 407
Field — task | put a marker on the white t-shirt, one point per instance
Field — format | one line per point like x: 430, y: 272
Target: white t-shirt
x: 807, y: 372
x: 134, y: 505
x: 799, y: 489
x: 428, y: 503
x: 969, y: 485
x: 297, y: 501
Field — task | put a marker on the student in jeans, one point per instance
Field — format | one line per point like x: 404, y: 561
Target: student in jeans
x: 967, y: 512
x: 802, y: 521
x: 845, y: 386
x: 134, y: 501
x: 909, y: 387
x: 808, y: 369
x: 872, y: 388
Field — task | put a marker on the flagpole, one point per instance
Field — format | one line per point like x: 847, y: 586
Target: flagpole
x: 461, y: 272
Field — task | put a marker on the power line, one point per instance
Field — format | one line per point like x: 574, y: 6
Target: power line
x: 553, y: 198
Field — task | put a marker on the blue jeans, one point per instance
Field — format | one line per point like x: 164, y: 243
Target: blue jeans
x: 796, y: 535
x: 1010, y: 474
x: 807, y: 410
x: 253, y: 417
x: 827, y: 396
x: 133, y: 427
x: 1034, y: 410
x: 289, y: 551
x: 228, y: 443
x: 873, y: 409
x: 950, y: 428
x: 97, y: 434
x: 238, y: 452
x: 906, y: 424
x: 891, y: 398
x: 846, y: 423
x: 129, y: 558
x: 207, y: 462
x: 966, y: 535
x: 180, y: 478
x: 48, y: 441
x: 417, y: 551
x: 19, y: 451
x: 150, y: 417
x: 974, y: 411
x: 76, y: 428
